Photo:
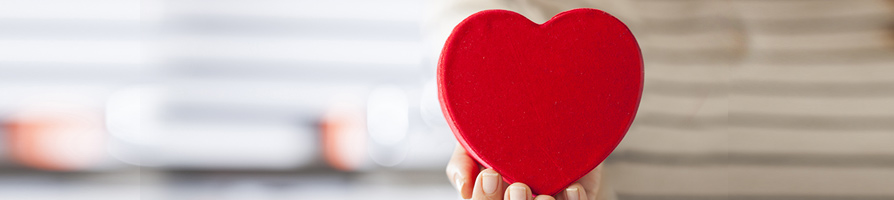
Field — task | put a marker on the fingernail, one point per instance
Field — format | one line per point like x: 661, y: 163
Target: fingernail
x: 572, y: 194
x: 517, y: 193
x: 489, y: 182
x: 458, y: 181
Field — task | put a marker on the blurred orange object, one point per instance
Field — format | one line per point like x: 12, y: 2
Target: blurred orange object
x: 344, y: 137
x: 52, y: 138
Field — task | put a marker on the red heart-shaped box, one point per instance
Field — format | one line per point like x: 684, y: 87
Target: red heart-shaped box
x: 540, y: 104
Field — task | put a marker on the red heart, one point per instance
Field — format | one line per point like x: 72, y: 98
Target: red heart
x: 540, y: 104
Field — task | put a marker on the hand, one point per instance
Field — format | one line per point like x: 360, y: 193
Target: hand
x: 489, y: 185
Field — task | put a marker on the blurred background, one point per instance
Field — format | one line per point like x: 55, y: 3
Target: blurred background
x: 233, y: 99
x: 283, y: 99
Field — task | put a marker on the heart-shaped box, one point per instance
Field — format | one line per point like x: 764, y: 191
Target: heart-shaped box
x: 540, y: 104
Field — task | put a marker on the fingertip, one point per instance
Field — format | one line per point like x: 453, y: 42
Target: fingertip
x: 490, y: 181
x: 575, y: 191
x: 488, y: 185
x: 489, y: 172
x: 518, y: 191
x: 544, y: 197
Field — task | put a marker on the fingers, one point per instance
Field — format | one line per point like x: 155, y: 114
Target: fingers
x: 460, y: 171
x: 518, y: 191
x: 575, y: 191
x: 488, y: 186
x: 461, y: 168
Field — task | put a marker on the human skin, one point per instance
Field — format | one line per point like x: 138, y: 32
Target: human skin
x: 489, y: 185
